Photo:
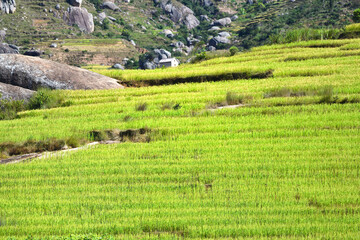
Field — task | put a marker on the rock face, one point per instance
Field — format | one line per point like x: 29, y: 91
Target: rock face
x: 80, y: 17
x: 75, y: 3
x: 8, y: 49
x: 180, y: 14
x: 11, y: 92
x: 8, y: 6
x: 32, y: 73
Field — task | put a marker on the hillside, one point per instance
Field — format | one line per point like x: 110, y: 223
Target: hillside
x: 272, y: 157
x: 182, y: 27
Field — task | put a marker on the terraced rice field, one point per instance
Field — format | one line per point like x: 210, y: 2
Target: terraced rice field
x: 285, y: 165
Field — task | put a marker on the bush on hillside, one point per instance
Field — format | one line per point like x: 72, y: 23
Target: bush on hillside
x: 10, y: 108
x: 233, y: 50
x: 356, y: 15
x: 46, y: 98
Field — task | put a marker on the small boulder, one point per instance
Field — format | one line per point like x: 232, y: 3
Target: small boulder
x: 163, y: 56
x: 75, y: 3
x: 208, y: 3
x: 168, y: 33
x: 33, y: 53
x: 222, y: 22
x: 166, y: 53
x: 178, y: 44
x: 102, y: 16
x: 53, y: 45
x: 224, y: 34
x: 219, y: 40
x: 133, y: 42
x: 80, y: 17
x: 214, y: 28
x: 118, y: 66
x: 149, y: 65
x: 8, y: 49
x: 111, y: 18
x: 57, y: 7
x: 233, y: 18
x: 14, y: 47
x: 111, y: 6
x: 211, y: 48
x: 204, y: 18
x: 125, y: 61
x: 2, y: 35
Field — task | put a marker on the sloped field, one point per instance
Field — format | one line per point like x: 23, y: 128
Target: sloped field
x: 285, y: 165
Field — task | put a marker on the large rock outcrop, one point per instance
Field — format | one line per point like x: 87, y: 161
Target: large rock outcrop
x: 8, y: 6
x: 179, y: 13
x: 32, y: 73
x: 8, y: 49
x: 11, y: 92
x: 80, y: 17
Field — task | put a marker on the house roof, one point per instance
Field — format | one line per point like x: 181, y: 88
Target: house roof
x: 167, y: 60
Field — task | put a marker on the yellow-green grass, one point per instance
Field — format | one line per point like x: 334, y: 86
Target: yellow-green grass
x: 280, y: 167
x: 259, y: 60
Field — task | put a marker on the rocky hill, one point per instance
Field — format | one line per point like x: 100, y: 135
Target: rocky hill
x: 119, y: 31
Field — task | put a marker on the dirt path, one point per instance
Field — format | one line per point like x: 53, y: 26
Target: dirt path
x: 227, y: 106
x: 44, y: 155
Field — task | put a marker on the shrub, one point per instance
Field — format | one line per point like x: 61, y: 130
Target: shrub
x: 233, y: 50
x: 356, y: 15
x: 46, y: 98
x: 10, y: 108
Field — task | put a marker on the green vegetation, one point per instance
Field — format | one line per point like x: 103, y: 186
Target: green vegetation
x: 356, y: 15
x: 284, y: 165
x: 42, y: 99
x: 233, y: 50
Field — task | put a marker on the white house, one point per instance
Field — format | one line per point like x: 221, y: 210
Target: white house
x: 169, y: 62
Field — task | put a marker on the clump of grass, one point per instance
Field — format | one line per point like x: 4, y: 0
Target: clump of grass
x: 326, y: 95
x: 141, y: 106
x: 127, y: 118
x: 287, y: 92
x: 167, y: 106
x: 98, y: 135
x: 234, y: 98
x: 73, y: 142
